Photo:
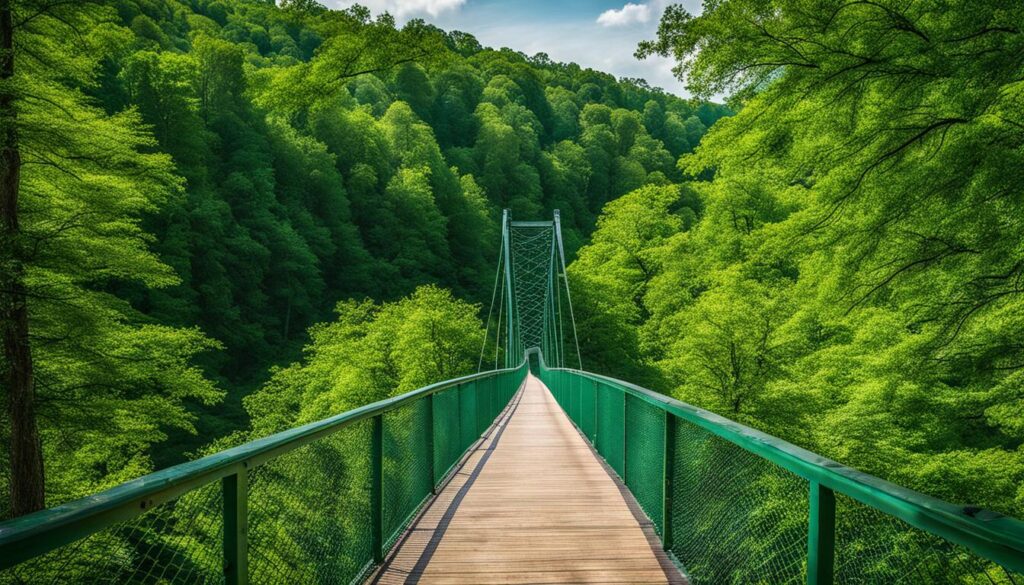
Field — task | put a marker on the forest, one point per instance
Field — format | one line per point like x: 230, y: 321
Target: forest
x: 847, y: 273
x: 203, y: 181
x: 236, y: 216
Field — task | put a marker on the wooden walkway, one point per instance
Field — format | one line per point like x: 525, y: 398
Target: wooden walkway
x: 531, y: 504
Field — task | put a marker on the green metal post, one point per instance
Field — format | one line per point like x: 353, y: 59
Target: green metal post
x: 506, y: 236
x: 377, y: 488
x: 669, y: 468
x: 236, y: 521
x: 821, y: 536
x: 430, y: 443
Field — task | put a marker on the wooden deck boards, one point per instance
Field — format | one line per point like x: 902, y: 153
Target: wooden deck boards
x: 531, y: 504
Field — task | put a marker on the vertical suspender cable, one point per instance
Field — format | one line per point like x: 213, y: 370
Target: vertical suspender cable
x: 568, y: 296
x: 553, y: 300
x: 497, y: 331
x: 558, y: 312
x: 490, y: 308
x: 506, y: 242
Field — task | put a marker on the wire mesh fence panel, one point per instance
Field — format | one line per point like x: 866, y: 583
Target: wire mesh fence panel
x: 175, y: 542
x: 483, y: 418
x: 736, y: 518
x: 872, y: 547
x: 588, y: 409
x: 575, y: 399
x: 447, y: 442
x: 309, y: 511
x: 309, y: 517
x: 406, y: 472
x: 610, y: 427
x: 557, y: 383
x: 493, y: 401
x: 467, y: 415
x: 645, y: 457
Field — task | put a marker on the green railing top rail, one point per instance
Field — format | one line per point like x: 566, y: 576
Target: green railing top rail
x: 35, y: 534
x: 994, y: 536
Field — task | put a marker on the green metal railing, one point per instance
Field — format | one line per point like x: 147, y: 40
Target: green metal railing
x: 734, y: 505
x: 319, y: 503
x: 325, y: 501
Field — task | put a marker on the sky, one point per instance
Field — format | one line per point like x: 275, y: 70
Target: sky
x: 599, y: 34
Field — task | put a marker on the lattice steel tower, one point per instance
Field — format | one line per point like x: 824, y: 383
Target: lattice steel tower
x: 538, y: 309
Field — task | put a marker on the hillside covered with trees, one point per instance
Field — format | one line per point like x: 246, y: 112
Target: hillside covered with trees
x: 203, y: 180
x: 221, y: 219
x: 849, y: 276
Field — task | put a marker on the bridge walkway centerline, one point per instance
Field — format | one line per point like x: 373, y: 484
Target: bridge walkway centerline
x: 532, y: 503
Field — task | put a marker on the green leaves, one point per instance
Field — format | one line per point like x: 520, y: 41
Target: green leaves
x: 108, y: 382
x: 205, y: 180
x: 851, y: 281
x: 353, y: 44
x: 369, y: 353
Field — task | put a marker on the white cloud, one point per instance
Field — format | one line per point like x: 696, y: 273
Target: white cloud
x: 628, y: 14
x: 403, y: 9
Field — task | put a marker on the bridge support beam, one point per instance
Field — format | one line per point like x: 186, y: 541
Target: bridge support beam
x: 377, y: 488
x: 667, y: 487
x: 236, y: 526
x: 821, y: 536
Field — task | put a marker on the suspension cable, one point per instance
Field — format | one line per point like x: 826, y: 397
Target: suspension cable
x: 568, y: 295
x: 490, y: 308
x: 558, y: 325
x: 497, y: 333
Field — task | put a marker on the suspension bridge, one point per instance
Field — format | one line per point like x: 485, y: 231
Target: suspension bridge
x: 533, y: 471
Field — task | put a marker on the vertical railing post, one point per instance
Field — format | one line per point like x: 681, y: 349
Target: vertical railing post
x: 667, y: 485
x: 597, y: 415
x: 377, y: 487
x: 430, y: 444
x: 236, y: 527
x: 821, y: 535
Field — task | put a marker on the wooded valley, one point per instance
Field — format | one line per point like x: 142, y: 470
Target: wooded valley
x: 236, y: 216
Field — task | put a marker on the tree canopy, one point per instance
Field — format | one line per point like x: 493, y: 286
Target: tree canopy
x: 842, y: 266
x: 202, y: 181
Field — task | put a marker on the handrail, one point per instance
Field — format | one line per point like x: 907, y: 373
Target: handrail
x: 32, y: 535
x: 994, y: 536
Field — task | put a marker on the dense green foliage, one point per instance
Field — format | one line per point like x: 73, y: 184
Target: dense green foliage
x: 849, y: 279
x: 307, y: 183
x: 369, y: 353
x: 309, y: 507
x: 203, y: 180
x: 108, y: 381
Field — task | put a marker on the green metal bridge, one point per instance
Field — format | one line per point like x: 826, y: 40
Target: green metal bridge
x: 535, y: 471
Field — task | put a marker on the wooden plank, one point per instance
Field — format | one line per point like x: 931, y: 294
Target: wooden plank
x: 532, y: 504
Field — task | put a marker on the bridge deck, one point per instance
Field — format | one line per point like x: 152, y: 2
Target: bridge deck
x: 531, y: 504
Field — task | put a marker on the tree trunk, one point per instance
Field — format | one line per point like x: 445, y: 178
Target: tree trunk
x: 26, y: 456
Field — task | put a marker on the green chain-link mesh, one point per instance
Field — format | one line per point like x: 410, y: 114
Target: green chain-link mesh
x: 611, y: 434
x: 407, y: 461
x: 872, y: 547
x: 309, y: 509
x: 737, y: 518
x: 645, y: 457
x: 175, y: 542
